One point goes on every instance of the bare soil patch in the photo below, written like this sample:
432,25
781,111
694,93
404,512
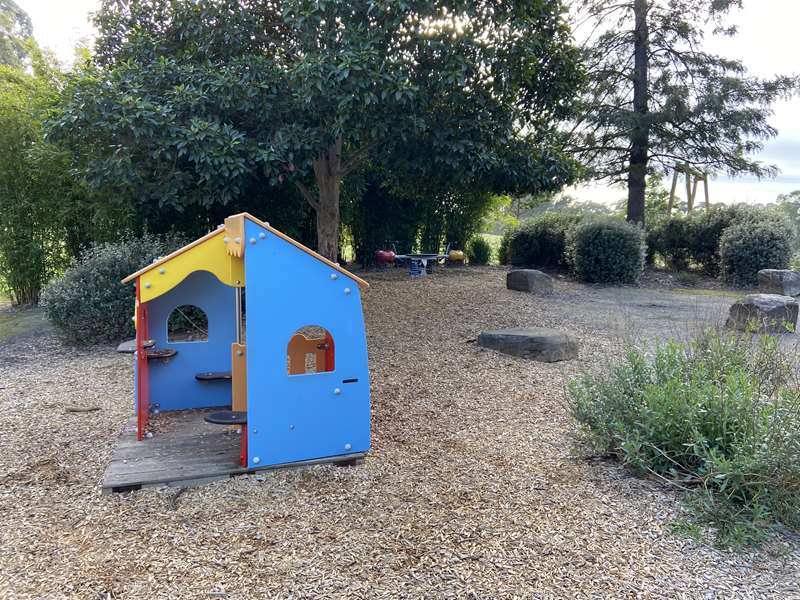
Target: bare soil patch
472,489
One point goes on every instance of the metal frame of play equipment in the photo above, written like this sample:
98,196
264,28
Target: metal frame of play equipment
293,369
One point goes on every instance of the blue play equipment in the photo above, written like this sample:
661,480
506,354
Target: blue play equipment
282,351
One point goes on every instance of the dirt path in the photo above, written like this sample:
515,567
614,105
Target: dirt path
472,488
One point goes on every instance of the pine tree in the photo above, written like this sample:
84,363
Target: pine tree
656,99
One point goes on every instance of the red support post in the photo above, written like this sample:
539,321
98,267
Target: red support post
142,372
243,457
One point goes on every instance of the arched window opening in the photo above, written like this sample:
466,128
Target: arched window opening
187,323
310,350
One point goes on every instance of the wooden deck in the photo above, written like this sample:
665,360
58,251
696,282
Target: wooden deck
184,451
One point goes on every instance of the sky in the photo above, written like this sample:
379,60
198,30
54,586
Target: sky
765,44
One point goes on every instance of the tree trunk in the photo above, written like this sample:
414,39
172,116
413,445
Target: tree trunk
328,217
328,177
640,134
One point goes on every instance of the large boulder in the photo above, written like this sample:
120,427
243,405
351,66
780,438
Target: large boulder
779,281
764,313
529,280
536,343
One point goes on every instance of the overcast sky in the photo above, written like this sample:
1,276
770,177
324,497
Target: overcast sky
765,44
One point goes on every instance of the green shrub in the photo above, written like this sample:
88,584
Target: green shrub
668,239
607,250
694,240
479,251
703,232
88,304
749,247
687,277
541,242
719,415
502,250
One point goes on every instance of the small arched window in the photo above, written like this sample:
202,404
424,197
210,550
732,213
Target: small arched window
310,350
187,323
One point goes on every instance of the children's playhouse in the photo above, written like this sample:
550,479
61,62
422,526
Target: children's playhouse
278,377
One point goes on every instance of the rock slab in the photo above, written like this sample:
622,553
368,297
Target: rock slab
529,280
764,313
779,281
535,343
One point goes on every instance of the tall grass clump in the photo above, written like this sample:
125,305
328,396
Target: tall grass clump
718,416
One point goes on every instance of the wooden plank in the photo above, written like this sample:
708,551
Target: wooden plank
192,452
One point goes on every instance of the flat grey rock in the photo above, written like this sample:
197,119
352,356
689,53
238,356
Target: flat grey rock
535,343
779,281
764,313
529,280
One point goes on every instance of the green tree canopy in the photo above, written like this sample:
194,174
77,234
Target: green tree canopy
190,101
16,30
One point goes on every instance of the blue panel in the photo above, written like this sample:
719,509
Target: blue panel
172,382
301,417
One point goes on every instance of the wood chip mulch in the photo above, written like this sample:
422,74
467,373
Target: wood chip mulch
473,489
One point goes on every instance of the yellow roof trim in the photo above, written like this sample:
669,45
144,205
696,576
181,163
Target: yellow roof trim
263,224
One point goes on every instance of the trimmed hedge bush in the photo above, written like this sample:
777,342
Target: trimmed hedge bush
682,242
479,251
668,239
607,251
541,242
747,248
88,304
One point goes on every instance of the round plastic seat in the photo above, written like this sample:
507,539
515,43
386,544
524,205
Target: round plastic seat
227,417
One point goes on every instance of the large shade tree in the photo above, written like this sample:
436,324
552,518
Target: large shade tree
656,98
186,101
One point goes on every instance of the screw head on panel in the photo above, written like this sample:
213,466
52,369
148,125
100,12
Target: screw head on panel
255,431
237,240
262,235
252,241
347,447
346,291
291,427
334,276
226,239
256,460
239,353
162,271
337,391
147,284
